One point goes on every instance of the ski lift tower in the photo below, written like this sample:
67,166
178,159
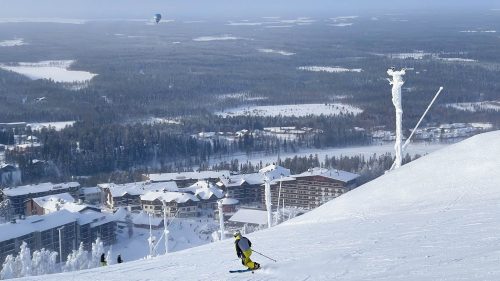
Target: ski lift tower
397,82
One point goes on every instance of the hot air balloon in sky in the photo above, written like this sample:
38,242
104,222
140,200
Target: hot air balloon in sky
157,18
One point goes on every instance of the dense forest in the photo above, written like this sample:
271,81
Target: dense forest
143,75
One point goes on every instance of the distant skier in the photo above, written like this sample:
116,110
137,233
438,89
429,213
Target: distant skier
103,260
119,259
244,251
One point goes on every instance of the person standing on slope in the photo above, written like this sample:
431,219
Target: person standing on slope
244,251
103,260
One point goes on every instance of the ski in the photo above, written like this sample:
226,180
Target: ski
240,271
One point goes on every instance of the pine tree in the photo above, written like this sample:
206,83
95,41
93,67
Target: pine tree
9,268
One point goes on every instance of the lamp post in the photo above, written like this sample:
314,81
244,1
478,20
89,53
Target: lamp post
60,243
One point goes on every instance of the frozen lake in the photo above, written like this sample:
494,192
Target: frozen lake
297,110
57,71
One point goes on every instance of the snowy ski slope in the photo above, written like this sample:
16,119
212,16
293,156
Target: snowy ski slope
436,218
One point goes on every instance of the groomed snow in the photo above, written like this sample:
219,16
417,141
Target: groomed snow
435,218
55,70
297,110
335,69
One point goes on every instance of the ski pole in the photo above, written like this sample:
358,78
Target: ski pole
265,256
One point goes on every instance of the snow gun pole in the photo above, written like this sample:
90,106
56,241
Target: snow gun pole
264,256
407,142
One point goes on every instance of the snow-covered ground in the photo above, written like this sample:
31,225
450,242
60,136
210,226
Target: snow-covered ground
457,60
12,43
55,70
300,20
244,23
243,96
42,20
366,151
435,218
329,69
297,110
476,106
478,31
344,24
273,51
55,125
183,234
344,18
216,38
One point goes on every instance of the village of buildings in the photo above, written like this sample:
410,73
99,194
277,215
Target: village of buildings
60,216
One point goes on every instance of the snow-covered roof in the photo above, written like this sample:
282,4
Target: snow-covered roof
202,175
90,190
35,223
250,216
230,201
237,180
94,218
334,174
204,190
37,188
138,188
274,171
179,197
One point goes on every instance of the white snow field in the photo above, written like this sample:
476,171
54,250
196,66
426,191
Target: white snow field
476,106
58,126
12,43
435,218
329,69
55,70
273,51
216,38
289,110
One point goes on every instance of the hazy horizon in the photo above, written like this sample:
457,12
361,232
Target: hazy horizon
95,9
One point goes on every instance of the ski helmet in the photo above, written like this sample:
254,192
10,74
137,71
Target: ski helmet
237,233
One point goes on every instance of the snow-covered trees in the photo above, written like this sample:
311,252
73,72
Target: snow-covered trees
9,268
45,261
23,260
97,251
42,262
77,260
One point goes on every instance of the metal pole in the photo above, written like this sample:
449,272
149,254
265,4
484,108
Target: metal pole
422,118
278,207
267,193
165,226
221,219
264,256
60,244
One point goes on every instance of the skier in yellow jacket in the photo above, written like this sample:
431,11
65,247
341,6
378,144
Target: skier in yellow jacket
244,250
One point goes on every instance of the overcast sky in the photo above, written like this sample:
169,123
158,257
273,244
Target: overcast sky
228,8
